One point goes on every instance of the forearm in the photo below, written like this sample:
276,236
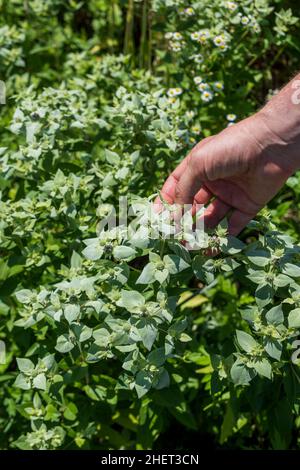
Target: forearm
280,125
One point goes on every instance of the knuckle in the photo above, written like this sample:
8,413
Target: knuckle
198,149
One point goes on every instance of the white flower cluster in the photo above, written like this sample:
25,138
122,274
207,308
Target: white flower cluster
201,36
206,89
221,41
176,41
173,94
249,21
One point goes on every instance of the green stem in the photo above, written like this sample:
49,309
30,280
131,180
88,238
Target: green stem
162,248
128,41
279,53
111,26
150,39
143,45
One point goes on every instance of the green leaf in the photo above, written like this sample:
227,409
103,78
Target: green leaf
175,264
123,252
24,296
246,341
294,318
273,348
147,275
161,275
40,382
282,280
23,382
291,270
157,357
76,260
71,312
203,271
85,334
82,332
258,277
228,423
148,333
264,295
142,383
71,412
181,251
32,128
163,380
275,316
263,367
25,365
48,361
93,251
63,344
132,300
184,338
101,336
112,157
171,144
241,374
260,258
231,245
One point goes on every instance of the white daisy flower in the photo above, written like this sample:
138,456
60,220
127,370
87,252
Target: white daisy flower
196,129
172,92
195,36
198,58
207,96
218,86
231,6
203,86
231,117
220,40
245,20
177,36
198,80
204,35
175,46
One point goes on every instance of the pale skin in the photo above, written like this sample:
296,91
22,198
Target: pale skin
238,171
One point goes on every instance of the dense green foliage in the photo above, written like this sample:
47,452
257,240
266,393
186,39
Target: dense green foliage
121,338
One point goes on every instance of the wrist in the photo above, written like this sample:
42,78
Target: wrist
278,126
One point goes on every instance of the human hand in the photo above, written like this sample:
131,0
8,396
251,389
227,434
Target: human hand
238,171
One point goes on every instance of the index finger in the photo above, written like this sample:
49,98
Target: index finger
168,189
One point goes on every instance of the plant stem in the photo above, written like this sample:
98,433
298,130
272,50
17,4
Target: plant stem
143,45
162,248
128,41
150,14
